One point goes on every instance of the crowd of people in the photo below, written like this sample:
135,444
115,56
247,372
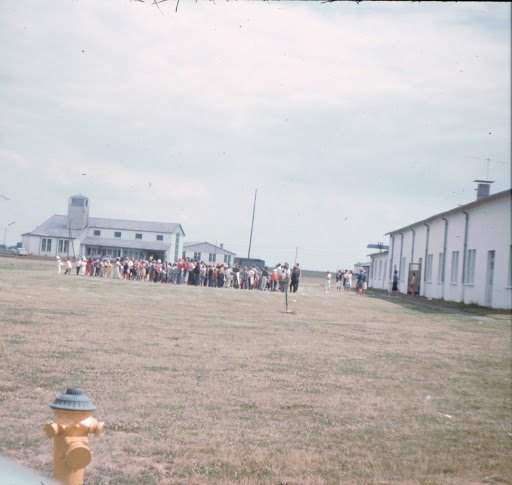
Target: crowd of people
343,280
188,272
221,275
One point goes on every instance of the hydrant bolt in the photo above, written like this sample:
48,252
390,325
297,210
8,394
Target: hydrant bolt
78,455
97,428
51,429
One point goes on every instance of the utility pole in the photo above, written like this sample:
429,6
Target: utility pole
5,232
70,240
296,252
252,223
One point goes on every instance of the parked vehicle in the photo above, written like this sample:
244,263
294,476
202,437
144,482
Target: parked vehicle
260,263
21,252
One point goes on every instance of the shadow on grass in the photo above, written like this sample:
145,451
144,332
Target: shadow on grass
423,305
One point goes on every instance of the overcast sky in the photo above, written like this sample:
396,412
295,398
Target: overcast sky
349,119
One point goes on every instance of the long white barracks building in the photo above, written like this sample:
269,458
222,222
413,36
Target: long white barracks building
76,234
462,255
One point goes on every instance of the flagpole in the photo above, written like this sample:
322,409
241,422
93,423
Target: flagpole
252,223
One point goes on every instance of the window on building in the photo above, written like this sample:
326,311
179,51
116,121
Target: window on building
138,236
117,234
97,232
88,252
159,237
177,248
455,268
428,267
469,271
63,245
440,268
197,256
227,258
402,270
212,257
46,244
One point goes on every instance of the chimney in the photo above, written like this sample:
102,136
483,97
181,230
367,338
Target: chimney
221,245
483,189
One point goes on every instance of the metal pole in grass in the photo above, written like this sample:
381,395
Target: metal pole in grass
287,310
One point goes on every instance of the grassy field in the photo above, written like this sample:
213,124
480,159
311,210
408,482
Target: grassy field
221,386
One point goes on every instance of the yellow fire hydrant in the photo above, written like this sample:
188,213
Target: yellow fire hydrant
72,423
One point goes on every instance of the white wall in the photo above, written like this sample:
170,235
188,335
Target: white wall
488,229
33,245
453,289
128,235
432,283
205,257
379,271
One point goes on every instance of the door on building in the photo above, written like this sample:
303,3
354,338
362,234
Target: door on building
413,281
489,280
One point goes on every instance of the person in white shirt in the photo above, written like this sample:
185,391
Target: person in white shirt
328,278
69,266
348,280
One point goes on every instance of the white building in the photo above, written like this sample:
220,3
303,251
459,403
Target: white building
378,276
461,255
207,252
76,234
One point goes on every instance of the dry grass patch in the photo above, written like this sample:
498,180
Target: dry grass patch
221,386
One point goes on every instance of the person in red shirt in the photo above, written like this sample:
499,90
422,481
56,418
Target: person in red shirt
180,271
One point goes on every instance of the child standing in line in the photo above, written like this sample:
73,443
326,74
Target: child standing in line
328,278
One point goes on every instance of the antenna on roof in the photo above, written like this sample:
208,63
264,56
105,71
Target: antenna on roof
489,161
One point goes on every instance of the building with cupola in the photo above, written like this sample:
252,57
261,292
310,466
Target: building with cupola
76,234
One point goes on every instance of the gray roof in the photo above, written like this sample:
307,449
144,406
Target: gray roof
56,226
381,253
461,208
125,243
205,247
163,227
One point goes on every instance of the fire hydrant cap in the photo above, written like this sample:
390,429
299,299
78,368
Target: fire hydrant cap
74,399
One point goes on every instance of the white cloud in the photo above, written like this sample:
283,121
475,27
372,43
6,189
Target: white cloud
370,110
